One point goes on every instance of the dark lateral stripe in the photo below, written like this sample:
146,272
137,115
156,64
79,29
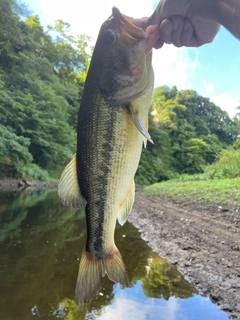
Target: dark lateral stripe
95,189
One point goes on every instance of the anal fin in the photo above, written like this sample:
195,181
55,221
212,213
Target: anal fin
68,189
126,206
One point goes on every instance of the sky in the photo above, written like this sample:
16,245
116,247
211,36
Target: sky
213,70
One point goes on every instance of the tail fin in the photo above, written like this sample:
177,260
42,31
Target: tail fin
89,281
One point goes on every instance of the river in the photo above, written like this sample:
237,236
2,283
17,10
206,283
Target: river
40,247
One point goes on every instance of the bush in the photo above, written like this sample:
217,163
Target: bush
228,164
36,173
29,171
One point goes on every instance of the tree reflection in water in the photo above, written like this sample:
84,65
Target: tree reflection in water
40,245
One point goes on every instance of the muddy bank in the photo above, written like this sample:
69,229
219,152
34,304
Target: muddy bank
15,185
202,243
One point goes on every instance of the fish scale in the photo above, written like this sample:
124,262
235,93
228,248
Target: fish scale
112,126
108,173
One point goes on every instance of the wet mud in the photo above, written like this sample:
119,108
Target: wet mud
202,242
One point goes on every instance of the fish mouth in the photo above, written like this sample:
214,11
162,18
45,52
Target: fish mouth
131,66
131,34
128,30
128,78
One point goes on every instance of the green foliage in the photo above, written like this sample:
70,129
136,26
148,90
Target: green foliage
192,132
163,280
206,117
210,191
228,163
41,83
236,144
13,146
188,152
214,147
14,153
36,173
155,159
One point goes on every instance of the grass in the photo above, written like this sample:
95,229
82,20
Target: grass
218,191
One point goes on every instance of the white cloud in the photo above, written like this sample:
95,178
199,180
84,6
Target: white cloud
208,86
131,309
227,103
87,16
174,66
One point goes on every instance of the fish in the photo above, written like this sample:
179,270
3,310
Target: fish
112,129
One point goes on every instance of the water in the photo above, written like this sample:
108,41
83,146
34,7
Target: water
40,247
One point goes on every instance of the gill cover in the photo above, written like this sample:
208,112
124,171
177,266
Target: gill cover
126,66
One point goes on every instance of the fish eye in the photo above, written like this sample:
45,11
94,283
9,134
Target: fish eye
109,37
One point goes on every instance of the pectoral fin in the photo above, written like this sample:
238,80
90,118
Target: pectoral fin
140,127
126,206
68,189
144,138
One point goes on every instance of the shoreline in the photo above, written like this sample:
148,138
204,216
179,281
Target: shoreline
18,185
202,245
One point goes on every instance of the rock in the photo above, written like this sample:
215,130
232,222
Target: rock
21,184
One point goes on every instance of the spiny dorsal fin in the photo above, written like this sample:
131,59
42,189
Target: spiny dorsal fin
126,206
68,189
140,127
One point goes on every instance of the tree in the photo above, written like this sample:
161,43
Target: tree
154,164
41,83
190,132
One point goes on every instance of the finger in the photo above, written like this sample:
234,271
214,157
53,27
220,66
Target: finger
165,31
196,34
152,38
158,44
205,30
140,23
188,37
152,35
178,23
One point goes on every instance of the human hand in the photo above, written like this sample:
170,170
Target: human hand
182,23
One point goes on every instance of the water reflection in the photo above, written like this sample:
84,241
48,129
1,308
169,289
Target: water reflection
40,246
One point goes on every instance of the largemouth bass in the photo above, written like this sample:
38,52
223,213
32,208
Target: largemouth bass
112,126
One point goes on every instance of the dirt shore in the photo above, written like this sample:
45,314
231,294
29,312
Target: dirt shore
203,244
15,185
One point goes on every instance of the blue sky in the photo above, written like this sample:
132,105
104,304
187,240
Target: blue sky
131,303
213,70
